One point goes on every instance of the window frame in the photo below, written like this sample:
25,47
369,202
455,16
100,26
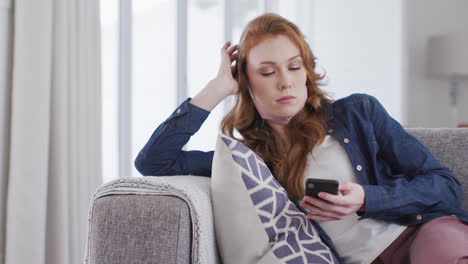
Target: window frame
124,61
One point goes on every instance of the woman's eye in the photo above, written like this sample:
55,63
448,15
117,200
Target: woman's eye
267,73
295,68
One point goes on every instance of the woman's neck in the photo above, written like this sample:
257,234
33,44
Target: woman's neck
282,130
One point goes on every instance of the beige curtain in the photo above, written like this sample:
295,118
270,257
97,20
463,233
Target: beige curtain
54,151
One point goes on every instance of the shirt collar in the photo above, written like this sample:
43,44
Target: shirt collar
328,110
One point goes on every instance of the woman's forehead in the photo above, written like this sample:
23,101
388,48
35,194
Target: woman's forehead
273,49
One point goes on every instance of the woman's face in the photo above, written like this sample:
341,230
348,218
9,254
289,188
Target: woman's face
277,78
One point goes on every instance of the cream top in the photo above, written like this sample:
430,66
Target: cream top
355,241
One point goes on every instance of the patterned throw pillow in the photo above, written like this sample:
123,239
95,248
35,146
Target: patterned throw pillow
255,222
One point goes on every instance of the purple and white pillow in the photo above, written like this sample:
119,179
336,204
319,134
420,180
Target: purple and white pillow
255,222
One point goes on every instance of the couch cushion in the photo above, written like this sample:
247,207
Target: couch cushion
450,147
255,222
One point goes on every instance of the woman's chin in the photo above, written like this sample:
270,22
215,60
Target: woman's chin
280,117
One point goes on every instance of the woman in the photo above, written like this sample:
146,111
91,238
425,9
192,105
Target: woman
404,199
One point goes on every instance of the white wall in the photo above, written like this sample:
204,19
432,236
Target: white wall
359,44
5,84
429,100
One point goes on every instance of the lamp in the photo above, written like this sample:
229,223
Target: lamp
447,58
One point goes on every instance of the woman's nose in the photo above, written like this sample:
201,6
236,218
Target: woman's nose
285,81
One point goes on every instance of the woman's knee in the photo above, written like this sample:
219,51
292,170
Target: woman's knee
443,240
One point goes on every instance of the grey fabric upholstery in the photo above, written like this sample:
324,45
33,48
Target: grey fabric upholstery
140,229
157,228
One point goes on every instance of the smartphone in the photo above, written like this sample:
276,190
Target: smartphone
314,186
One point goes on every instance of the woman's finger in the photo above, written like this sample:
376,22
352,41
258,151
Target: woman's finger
226,45
319,203
324,213
232,49
320,214
307,206
233,57
224,50
333,198
335,213
320,218
325,206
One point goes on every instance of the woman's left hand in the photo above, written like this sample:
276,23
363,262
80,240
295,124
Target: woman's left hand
336,207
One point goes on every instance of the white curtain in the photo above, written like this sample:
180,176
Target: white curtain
54,152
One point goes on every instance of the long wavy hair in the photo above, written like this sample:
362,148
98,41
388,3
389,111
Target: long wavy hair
305,130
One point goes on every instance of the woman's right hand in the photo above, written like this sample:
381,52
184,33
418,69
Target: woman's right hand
223,85
226,73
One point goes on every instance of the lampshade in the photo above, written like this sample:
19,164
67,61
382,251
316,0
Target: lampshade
447,56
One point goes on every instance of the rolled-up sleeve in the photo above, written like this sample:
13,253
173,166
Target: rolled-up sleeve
416,182
163,154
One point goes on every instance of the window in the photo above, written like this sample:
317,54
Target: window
244,11
109,45
154,70
153,88
203,62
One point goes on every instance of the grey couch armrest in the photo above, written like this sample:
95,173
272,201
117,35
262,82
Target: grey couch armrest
139,229
152,220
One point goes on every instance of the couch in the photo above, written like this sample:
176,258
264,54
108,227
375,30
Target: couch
169,219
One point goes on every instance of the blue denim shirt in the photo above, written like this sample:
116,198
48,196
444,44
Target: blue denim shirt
402,180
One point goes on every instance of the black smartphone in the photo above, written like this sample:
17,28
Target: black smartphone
314,186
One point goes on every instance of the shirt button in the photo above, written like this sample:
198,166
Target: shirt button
346,140
359,167
178,110
419,217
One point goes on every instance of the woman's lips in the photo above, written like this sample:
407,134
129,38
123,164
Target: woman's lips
285,99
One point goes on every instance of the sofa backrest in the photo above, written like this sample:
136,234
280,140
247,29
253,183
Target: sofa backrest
450,147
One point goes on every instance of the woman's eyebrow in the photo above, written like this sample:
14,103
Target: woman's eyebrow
272,62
